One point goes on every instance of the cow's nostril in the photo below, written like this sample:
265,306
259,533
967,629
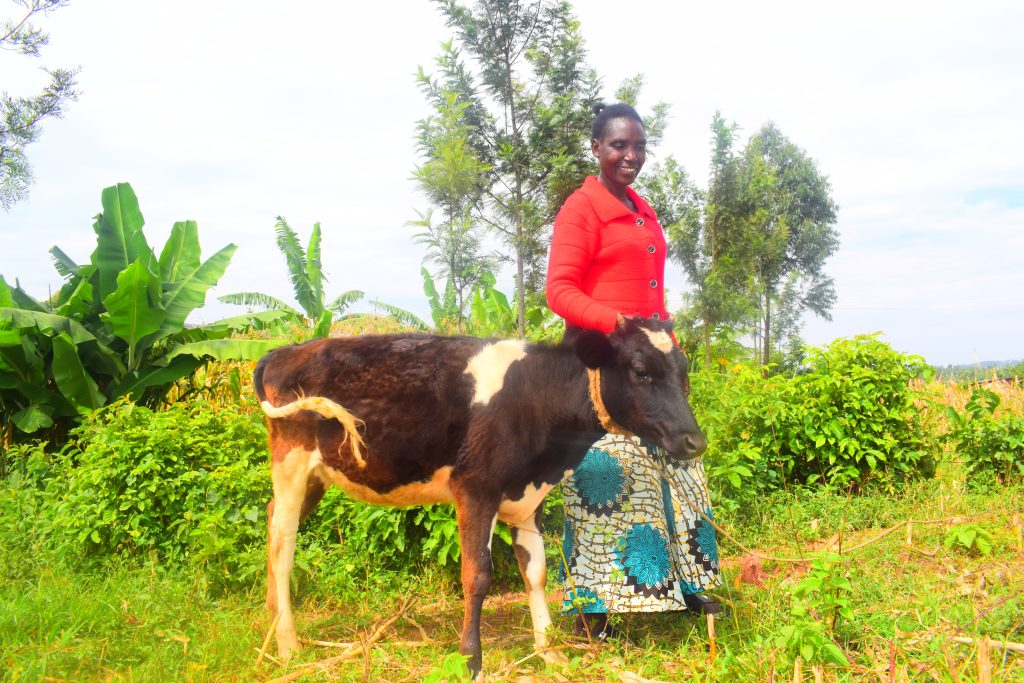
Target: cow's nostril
695,445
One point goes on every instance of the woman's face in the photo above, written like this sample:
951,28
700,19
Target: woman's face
621,152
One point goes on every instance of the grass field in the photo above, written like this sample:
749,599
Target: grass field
916,610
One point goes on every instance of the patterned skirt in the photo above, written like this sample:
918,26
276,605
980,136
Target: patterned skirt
632,540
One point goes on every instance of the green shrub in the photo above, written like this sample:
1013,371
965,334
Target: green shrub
187,484
989,446
847,421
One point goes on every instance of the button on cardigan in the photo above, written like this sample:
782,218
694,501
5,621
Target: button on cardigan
605,259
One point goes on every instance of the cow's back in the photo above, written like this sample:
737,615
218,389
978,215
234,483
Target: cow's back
411,393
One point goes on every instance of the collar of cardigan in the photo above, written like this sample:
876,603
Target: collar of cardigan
608,207
609,425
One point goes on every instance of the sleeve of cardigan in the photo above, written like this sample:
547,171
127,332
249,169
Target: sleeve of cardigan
574,243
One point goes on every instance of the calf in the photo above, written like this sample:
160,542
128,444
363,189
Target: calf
489,426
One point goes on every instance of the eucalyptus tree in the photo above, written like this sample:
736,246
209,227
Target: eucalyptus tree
307,277
21,118
519,68
707,237
453,179
790,230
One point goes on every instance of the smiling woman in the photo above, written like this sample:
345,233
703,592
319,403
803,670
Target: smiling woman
633,541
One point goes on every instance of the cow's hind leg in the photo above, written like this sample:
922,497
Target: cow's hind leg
314,494
528,544
291,476
477,516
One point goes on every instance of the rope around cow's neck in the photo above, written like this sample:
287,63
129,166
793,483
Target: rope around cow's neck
607,423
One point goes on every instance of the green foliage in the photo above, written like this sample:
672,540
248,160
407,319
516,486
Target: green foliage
971,538
187,484
518,76
848,421
307,276
117,326
989,446
452,669
21,118
819,600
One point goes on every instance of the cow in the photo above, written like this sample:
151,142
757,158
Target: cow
489,426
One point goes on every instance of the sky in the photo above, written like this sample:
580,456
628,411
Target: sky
233,113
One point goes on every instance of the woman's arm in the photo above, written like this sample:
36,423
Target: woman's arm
574,244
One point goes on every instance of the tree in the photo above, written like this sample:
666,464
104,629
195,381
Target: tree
706,233
791,218
453,179
307,277
527,95
21,118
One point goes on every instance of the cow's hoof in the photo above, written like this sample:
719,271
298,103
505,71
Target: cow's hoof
287,647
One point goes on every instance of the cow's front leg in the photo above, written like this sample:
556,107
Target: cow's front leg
477,517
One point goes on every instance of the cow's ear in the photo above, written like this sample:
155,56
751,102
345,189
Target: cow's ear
594,348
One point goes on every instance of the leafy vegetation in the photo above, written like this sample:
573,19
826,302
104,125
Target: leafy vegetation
991,446
848,421
21,118
306,273
117,326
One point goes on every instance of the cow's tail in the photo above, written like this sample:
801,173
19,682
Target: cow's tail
327,408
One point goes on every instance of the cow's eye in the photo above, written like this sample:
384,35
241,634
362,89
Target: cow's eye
641,375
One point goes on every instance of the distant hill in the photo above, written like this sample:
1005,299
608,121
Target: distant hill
982,370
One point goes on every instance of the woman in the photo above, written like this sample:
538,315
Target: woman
633,541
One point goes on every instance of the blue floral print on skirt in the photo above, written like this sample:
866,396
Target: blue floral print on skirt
632,542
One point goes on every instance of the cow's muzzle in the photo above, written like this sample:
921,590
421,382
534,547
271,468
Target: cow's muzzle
689,446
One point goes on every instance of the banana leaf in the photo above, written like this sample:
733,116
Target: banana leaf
47,323
227,349
190,291
315,274
181,253
295,257
136,382
259,321
259,300
119,238
133,309
63,263
33,418
71,377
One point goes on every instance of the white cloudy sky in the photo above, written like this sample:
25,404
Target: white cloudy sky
231,113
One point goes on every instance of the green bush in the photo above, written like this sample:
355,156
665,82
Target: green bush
847,421
185,484
989,446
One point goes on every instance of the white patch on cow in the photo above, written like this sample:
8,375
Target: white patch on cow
489,366
518,512
660,340
434,490
528,537
494,525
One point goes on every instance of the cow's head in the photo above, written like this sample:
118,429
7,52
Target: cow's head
644,383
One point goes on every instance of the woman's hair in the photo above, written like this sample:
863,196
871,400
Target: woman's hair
603,113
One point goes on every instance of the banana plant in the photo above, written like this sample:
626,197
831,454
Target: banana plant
117,325
307,276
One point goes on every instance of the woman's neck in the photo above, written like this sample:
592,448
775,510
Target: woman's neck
619,192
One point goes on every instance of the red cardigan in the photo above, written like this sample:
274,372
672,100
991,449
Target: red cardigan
605,259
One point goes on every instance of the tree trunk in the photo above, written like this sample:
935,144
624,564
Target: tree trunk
707,342
766,352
